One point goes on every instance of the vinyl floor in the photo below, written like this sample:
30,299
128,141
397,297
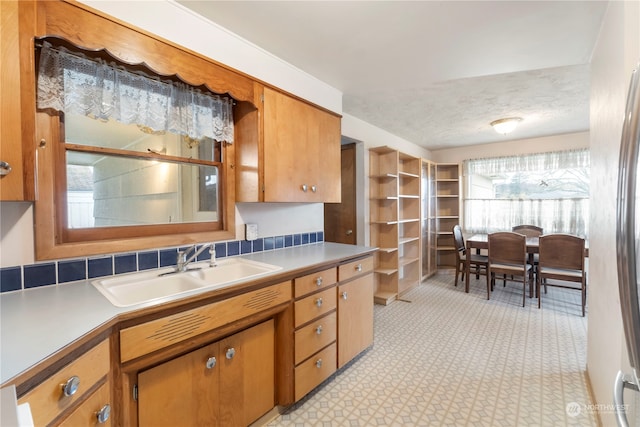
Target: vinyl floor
443,357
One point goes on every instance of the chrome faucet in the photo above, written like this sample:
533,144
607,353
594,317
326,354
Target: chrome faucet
182,261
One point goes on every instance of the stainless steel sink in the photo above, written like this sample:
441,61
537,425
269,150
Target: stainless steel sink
156,285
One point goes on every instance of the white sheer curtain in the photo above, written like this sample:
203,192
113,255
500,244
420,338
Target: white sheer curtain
72,83
554,215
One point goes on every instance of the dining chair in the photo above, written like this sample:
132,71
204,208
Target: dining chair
530,231
562,259
508,256
475,260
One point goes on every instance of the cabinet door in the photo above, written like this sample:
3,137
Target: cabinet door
191,390
181,392
17,102
247,375
355,318
301,151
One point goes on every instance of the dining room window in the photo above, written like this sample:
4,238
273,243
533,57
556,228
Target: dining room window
550,190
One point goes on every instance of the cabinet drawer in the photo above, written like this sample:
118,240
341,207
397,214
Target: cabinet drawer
313,282
315,370
355,268
314,306
316,335
87,414
47,400
139,340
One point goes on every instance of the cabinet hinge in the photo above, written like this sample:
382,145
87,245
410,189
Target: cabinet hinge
262,97
135,392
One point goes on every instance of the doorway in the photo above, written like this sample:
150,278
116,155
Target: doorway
340,219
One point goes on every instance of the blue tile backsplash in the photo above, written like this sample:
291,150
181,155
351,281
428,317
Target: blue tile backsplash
39,275
64,271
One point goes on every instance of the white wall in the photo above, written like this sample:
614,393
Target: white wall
616,54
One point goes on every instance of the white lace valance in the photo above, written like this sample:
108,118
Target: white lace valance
529,162
71,83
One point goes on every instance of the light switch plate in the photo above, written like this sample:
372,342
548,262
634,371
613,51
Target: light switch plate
251,231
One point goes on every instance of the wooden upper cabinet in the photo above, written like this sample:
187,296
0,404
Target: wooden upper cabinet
300,154
17,141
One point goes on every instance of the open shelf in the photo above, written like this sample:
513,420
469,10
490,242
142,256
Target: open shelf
447,212
395,198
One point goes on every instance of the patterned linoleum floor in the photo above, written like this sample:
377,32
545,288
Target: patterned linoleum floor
454,359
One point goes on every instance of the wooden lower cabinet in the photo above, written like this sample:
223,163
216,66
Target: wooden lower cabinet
355,309
227,383
355,314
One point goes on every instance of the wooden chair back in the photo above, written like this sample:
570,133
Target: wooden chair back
528,230
508,256
507,247
458,239
562,251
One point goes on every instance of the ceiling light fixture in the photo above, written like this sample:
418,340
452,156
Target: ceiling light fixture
504,126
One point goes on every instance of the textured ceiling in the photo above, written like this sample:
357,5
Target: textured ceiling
435,73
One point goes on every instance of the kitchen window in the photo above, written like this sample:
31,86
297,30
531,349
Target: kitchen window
550,190
134,155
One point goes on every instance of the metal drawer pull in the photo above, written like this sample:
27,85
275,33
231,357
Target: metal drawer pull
344,295
319,302
71,386
314,188
211,362
319,363
359,267
230,353
5,168
304,187
319,329
103,414
319,281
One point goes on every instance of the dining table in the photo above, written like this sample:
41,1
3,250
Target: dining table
478,242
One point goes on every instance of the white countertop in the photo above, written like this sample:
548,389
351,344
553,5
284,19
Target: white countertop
36,323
